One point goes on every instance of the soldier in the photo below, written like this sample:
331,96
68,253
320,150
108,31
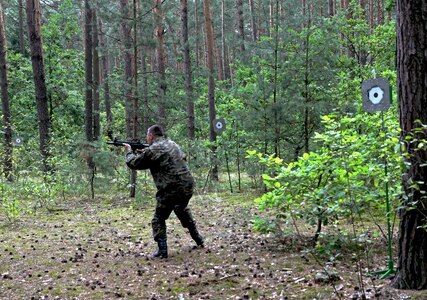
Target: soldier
174,182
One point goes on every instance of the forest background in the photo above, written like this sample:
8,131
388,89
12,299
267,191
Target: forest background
283,76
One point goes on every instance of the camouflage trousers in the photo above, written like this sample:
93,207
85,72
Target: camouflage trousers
176,201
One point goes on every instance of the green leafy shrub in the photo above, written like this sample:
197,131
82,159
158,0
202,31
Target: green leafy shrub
344,178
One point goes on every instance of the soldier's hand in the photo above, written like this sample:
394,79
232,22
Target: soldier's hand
127,147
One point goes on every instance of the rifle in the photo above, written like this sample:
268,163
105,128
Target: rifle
134,144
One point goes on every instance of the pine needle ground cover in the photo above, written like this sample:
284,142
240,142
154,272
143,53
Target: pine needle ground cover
100,249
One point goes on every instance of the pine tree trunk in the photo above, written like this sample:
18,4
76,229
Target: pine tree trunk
253,21
136,111
412,94
211,85
89,72
146,119
159,34
127,43
240,26
36,47
128,78
188,73
196,32
21,28
105,81
331,8
7,119
96,76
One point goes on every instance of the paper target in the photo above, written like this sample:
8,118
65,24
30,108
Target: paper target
219,125
376,95
18,141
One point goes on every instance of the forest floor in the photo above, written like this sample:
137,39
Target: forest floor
101,249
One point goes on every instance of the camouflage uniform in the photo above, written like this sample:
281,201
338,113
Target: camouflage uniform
173,180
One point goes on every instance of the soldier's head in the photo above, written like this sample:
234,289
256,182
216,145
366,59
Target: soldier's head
153,132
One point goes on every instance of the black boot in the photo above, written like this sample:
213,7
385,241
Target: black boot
163,249
195,235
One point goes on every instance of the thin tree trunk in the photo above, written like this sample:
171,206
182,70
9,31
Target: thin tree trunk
240,26
21,28
188,74
253,21
89,93
89,72
371,14
105,80
128,78
36,47
96,76
159,34
331,8
411,270
136,111
225,62
7,119
218,58
196,32
211,84
146,113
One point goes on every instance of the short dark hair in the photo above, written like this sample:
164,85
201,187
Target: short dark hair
156,130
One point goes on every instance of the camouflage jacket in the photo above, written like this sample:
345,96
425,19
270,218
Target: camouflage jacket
167,164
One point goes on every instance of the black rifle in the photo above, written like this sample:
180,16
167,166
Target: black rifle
134,144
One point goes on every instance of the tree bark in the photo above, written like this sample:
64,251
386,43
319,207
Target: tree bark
211,85
240,26
253,21
105,80
331,8
96,79
128,77
89,72
159,34
188,73
411,270
37,61
7,119
21,28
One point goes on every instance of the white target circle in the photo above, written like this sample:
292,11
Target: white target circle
219,125
375,95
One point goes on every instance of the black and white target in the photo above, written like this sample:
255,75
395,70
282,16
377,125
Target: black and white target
18,141
376,95
219,125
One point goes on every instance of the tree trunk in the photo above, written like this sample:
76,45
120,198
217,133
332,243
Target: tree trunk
129,103
211,84
96,76
36,49
159,34
146,119
105,81
240,26
89,73
188,74
196,32
331,8
136,113
412,93
127,43
7,119
21,28
253,21
225,63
